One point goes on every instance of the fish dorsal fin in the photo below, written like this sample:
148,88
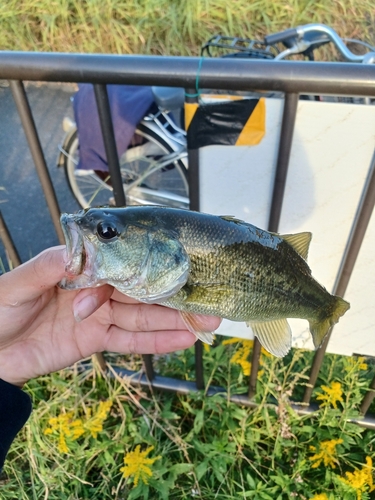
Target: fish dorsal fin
275,336
300,242
231,218
195,325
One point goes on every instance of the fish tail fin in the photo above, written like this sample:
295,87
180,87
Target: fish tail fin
329,316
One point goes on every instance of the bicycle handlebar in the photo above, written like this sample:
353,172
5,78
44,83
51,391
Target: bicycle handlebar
281,36
310,33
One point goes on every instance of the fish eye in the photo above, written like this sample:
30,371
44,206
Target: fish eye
106,231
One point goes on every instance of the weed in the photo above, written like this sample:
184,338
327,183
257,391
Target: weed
167,27
120,441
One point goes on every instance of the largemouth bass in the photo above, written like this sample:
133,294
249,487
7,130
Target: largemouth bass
201,264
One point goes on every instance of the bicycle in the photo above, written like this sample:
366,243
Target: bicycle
154,167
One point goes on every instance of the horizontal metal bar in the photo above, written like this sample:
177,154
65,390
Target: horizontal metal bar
287,76
185,387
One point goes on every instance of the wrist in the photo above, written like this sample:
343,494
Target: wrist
12,380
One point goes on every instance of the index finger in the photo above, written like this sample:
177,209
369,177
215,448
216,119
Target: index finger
143,317
124,299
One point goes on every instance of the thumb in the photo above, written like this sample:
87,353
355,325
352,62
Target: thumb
35,276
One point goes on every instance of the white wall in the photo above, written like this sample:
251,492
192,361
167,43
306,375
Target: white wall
332,150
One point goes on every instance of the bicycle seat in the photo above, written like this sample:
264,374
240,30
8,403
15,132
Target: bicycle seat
169,98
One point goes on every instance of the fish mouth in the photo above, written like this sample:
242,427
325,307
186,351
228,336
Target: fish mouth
75,247
80,255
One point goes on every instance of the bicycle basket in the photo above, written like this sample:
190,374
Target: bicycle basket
229,46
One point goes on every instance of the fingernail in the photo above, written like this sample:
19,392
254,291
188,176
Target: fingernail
85,308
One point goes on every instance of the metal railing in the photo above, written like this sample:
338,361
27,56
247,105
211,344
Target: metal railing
292,78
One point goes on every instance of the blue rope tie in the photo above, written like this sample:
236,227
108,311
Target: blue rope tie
196,80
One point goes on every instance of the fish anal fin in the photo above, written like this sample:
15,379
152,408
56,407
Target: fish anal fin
300,242
275,336
195,325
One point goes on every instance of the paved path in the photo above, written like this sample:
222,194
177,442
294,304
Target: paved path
22,201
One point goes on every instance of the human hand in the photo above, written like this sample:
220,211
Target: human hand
44,328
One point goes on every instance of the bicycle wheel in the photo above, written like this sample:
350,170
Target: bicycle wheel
152,173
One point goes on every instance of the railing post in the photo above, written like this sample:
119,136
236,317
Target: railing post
27,120
106,124
353,246
282,164
194,197
8,243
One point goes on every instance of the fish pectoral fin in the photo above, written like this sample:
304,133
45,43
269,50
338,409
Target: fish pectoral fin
300,242
195,325
198,293
275,336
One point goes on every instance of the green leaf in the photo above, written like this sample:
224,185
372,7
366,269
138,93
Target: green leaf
307,429
198,421
201,469
109,458
280,480
163,487
181,468
170,415
250,481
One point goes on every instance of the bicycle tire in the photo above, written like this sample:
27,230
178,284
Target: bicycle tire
159,186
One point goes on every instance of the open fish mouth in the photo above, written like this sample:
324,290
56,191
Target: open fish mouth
75,247
80,255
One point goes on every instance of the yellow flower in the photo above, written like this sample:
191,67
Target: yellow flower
360,480
234,340
356,363
65,427
326,454
321,496
137,465
331,395
242,354
95,424
206,347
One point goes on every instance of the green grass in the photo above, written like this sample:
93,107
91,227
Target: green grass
166,26
197,446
